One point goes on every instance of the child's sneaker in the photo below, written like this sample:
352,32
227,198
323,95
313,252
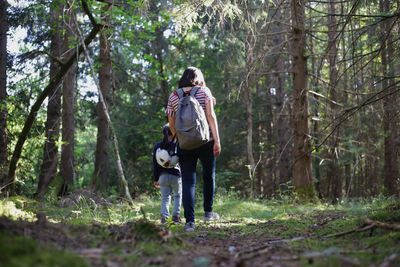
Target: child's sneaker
211,216
164,221
189,227
176,219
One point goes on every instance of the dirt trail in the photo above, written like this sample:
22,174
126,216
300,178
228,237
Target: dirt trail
115,244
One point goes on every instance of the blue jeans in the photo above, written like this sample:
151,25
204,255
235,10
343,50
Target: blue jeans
170,184
188,161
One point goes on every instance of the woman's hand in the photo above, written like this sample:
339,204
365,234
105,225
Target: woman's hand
156,185
217,149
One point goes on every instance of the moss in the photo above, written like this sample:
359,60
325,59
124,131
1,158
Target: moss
54,188
21,251
389,216
145,230
304,194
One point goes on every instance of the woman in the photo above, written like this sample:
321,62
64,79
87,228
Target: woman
207,153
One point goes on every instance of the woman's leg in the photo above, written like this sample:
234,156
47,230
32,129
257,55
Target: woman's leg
208,160
187,162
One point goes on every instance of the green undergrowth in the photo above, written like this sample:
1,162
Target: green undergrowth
18,251
134,236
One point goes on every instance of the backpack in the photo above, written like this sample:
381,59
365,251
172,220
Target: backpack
165,159
167,155
190,122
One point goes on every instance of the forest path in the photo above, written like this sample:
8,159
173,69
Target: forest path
143,243
278,235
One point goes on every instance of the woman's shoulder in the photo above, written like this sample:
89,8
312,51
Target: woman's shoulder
173,95
205,89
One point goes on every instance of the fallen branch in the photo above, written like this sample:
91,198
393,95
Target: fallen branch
356,230
368,224
269,243
388,261
382,224
254,254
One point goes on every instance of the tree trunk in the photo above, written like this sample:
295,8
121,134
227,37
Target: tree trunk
3,93
390,118
101,170
282,124
302,168
104,107
249,109
50,88
334,172
345,100
315,123
265,167
50,154
68,124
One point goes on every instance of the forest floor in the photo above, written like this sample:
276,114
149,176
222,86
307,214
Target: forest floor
85,230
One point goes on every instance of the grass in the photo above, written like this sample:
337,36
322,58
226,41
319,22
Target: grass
255,222
18,251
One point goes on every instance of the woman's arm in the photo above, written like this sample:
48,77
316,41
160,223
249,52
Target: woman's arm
212,122
171,121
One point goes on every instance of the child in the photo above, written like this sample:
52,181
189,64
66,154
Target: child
167,175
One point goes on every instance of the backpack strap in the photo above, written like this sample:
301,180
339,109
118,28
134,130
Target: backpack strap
180,93
194,89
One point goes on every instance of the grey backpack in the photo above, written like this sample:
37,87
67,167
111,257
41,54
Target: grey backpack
190,122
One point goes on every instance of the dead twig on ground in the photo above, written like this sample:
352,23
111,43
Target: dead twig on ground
387,262
269,244
382,224
266,247
356,230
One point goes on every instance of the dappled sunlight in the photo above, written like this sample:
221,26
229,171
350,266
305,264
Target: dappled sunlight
262,210
9,209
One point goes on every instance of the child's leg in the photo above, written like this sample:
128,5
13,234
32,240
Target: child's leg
177,190
165,195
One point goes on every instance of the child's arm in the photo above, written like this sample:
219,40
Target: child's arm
155,169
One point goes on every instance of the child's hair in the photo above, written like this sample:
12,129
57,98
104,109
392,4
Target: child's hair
166,132
166,144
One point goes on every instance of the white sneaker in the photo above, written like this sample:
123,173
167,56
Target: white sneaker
211,216
189,227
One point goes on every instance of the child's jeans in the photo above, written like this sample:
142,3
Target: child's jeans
170,184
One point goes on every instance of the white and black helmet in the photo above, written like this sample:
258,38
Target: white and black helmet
165,159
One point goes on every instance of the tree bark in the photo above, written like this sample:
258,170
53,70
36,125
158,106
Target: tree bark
282,122
333,172
50,88
101,170
390,118
302,168
159,49
48,169
345,99
3,94
67,172
249,109
104,107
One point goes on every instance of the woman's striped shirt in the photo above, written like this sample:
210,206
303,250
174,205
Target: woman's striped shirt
203,95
